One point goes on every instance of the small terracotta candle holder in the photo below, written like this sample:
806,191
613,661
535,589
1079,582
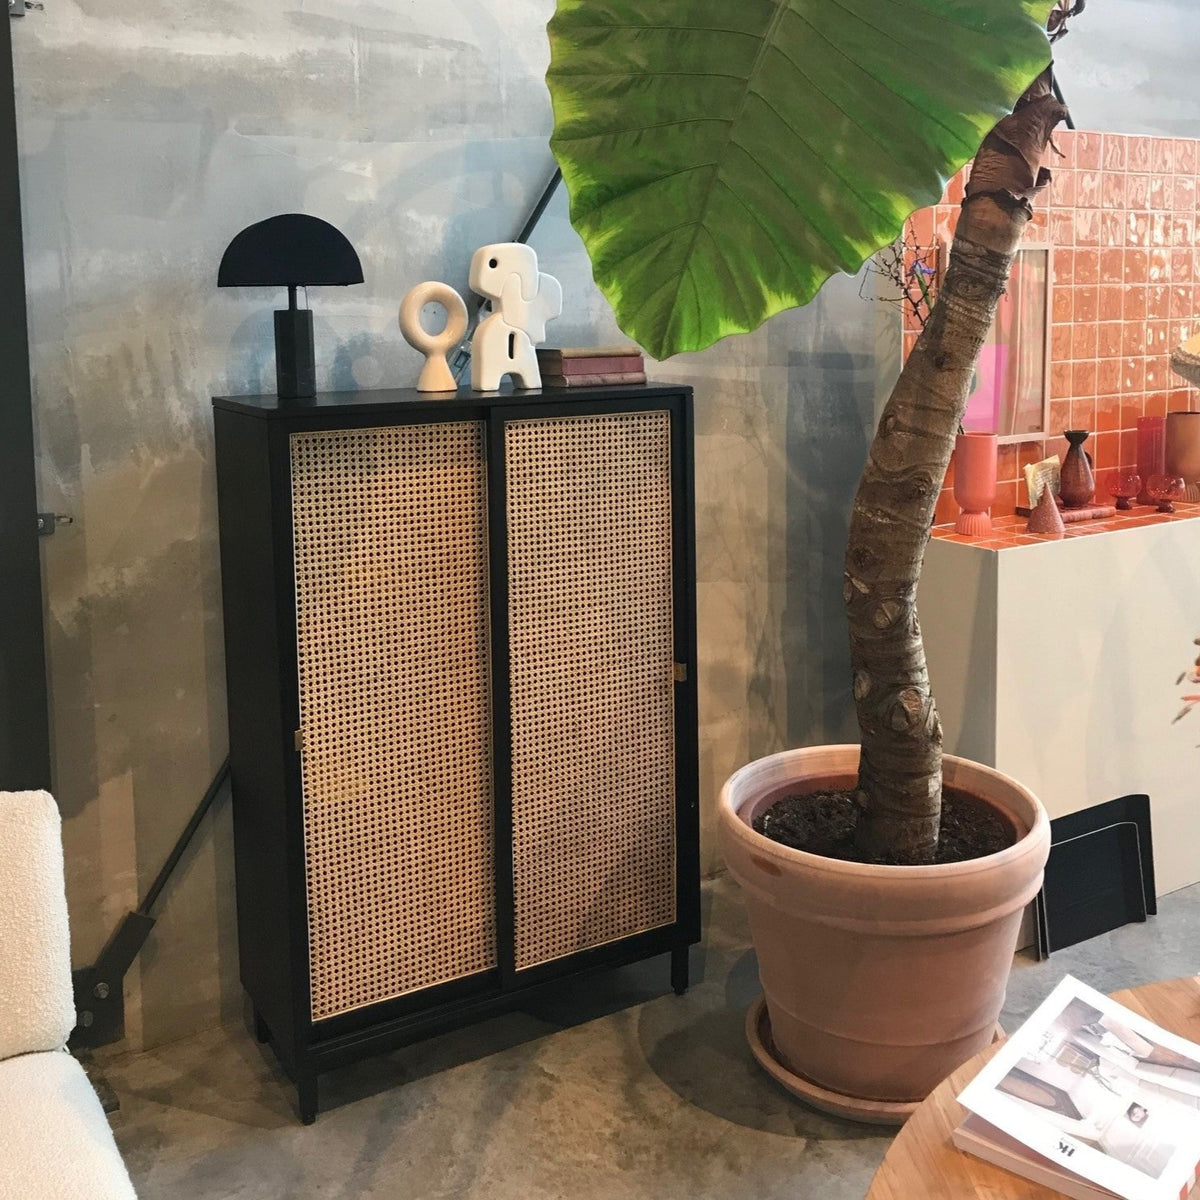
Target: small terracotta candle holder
1163,489
1123,486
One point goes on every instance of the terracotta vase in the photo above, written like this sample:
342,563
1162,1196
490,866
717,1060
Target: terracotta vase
975,482
1151,452
1077,484
879,980
1182,452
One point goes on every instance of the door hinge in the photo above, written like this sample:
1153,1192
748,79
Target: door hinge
47,523
679,672
299,741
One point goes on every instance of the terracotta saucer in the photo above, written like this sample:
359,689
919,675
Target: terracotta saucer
871,1112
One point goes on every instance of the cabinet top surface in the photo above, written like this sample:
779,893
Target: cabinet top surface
384,399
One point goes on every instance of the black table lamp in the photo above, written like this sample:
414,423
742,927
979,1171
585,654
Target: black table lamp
291,250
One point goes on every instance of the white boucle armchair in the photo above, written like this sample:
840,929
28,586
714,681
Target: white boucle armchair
55,1143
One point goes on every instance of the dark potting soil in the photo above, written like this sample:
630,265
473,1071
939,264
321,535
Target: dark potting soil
823,823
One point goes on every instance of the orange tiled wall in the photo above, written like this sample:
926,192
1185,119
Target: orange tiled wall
1121,215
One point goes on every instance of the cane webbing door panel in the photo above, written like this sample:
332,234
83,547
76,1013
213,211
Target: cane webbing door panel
590,626
391,577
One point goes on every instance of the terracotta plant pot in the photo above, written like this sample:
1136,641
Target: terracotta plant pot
879,980
975,457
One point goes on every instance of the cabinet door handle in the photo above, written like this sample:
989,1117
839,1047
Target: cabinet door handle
299,741
679,672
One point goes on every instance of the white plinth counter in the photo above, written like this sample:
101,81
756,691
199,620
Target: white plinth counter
1056,662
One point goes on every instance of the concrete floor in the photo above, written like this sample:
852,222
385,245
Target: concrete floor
611,1090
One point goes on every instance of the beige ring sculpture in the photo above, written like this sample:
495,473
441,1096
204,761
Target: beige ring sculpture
436,375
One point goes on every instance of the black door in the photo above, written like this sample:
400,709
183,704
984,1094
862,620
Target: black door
24,726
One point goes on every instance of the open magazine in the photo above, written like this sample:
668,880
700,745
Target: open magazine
1101,1094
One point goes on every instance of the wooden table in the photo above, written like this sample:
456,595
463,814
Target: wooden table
923,1163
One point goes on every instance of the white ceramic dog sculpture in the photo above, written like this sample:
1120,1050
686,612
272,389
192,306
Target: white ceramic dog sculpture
523,300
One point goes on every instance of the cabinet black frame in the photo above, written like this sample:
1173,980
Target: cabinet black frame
254,496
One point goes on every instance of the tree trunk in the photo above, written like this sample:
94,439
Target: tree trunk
900,776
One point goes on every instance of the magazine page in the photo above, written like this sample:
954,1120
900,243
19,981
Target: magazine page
1100,1090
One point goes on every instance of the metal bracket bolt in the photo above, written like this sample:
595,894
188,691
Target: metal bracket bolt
48,522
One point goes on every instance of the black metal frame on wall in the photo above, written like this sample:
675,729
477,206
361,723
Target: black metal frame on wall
260,605
24,720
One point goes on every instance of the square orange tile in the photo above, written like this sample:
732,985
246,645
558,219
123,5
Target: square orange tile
1108,378
1158,334
1140,153
1162,160
1062,227
1087,266
1087,304
1112,190
1112,228
1137,266
1060,419
1107,450
1108,413
1060,380
1185,156
1113,151
1084,340
1062,305
1137,191
1112,301
1062,188
1112,265
1133,339
1108,335
1063,267
1134,305
1027,453
1131,409
1133,374
1083,412
1087,227
1087,189
1087,149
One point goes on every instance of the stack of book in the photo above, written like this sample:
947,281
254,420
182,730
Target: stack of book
591,366
1091,1100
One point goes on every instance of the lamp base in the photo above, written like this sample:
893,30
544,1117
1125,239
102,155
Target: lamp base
295,367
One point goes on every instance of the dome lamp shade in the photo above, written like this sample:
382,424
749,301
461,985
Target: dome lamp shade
291,250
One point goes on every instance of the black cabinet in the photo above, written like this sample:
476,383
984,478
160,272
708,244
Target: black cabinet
460,654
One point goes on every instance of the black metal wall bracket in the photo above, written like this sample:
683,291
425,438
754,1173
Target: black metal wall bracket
100,988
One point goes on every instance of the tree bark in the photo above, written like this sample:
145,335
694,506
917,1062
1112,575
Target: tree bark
900,775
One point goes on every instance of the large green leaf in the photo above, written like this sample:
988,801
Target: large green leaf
725,157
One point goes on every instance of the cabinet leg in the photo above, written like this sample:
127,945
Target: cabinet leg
679,969
261,1032
308,1097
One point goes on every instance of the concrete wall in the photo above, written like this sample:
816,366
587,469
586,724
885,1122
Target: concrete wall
152,131
1129,66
